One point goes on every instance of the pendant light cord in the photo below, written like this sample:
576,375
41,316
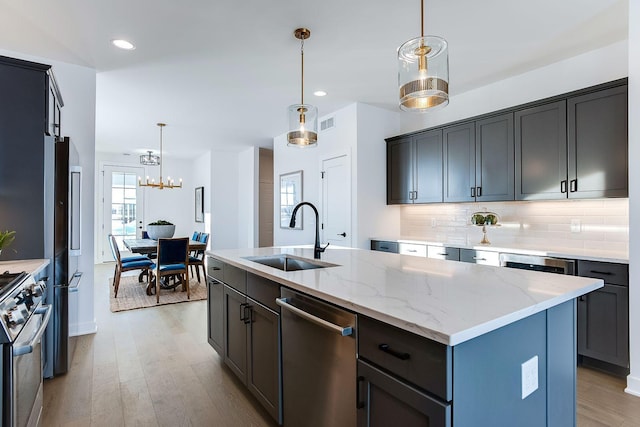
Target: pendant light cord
302,68
161,162
422,17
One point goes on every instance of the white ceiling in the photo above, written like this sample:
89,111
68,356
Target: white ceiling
222,73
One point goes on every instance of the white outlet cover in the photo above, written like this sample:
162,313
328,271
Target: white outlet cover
529,376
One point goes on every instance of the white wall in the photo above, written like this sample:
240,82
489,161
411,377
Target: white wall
224,200
78,88
633,380
248,162
201,175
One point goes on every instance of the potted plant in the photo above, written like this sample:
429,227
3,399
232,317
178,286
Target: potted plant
6,237
160,229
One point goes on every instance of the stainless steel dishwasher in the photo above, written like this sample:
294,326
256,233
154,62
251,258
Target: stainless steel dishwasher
318,362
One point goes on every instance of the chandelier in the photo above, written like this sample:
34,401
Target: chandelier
149,159
170,183
303,118
423,72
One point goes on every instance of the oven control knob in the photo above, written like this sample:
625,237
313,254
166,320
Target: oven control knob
37,289
15,316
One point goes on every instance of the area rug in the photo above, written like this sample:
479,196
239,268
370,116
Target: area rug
132,294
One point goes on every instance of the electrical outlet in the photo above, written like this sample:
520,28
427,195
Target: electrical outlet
529,376
576,226
433,222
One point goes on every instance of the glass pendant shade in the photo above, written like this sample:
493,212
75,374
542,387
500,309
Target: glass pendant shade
423,74
303,125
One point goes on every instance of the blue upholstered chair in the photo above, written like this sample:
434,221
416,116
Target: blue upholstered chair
173,260
197,259
136,262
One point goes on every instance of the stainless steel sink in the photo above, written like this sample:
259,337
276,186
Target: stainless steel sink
289,262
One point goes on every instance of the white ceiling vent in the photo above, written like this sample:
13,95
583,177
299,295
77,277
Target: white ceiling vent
327,124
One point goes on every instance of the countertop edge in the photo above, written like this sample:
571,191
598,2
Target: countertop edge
31,266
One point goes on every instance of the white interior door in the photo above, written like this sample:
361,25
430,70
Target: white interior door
123,206
336,201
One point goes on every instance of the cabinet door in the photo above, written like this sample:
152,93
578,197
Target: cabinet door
399,171
541,152
603,325
264,370
459,163
215,315
427,164
598,144
495,159
380,245
235,332
386,401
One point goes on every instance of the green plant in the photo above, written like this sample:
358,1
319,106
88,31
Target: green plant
161,222
6,237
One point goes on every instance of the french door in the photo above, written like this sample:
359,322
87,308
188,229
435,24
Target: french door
122,206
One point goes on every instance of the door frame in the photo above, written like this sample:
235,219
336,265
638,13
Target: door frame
349,190
100,254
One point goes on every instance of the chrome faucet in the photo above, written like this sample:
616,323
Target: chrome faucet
317,249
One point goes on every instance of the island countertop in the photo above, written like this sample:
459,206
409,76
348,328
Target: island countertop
31,266
447,301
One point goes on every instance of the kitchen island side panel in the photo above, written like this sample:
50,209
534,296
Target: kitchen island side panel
487,387
561,364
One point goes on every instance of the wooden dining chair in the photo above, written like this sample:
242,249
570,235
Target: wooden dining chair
173,260
135,262
197,260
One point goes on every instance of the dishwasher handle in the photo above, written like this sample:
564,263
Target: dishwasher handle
342,330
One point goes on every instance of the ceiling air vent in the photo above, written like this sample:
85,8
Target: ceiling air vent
327,124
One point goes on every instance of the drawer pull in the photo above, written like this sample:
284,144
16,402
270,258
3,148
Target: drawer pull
412,250
389,350
444,254
479,259
606,273
384,247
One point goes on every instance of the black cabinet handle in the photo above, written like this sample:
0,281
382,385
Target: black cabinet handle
475,258
581,298
243,312
573,185
389,350
415,195
473,191
479,191
248,318
605,273
384,247
444,254
563,186
359,404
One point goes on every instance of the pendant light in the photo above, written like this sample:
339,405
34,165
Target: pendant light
423,72
160,184
303,118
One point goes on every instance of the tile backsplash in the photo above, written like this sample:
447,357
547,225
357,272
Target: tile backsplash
598,223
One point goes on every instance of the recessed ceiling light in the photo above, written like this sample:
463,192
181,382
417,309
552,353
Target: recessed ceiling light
123,44
320,93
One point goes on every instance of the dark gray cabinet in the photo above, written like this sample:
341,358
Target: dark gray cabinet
603,316
215,305
597,144
541,152
443,252
235,328
414,168
479,160
384,246
480,257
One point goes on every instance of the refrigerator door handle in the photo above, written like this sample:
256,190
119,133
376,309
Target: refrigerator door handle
73,284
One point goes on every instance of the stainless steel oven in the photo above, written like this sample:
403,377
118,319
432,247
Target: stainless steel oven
539,263
23,320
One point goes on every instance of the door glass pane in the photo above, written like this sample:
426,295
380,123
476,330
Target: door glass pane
123,206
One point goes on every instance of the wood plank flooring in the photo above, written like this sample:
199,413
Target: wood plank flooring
154,367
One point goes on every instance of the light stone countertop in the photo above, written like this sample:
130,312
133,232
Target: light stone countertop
595,254
31,266
446,301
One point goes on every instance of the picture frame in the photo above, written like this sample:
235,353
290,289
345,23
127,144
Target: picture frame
290,196
199,199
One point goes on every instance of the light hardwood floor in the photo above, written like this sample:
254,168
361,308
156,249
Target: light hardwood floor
154,367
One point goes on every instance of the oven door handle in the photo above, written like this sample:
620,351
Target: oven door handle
28,348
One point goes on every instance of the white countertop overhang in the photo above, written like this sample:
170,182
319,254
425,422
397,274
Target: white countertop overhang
447,301
31,266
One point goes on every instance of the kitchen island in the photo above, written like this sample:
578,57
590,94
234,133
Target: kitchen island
504,339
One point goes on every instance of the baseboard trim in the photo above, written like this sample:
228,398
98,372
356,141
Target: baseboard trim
85,328
633,386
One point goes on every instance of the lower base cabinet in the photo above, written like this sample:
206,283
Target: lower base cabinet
386,401
215,314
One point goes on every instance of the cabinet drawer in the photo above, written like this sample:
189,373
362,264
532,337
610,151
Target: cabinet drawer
235,277
480,257
442,252
264,291
413,249
415,359
615,274
214,268
377,245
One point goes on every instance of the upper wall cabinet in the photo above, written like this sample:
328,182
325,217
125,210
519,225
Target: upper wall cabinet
541,152
597,144
414,168
478,160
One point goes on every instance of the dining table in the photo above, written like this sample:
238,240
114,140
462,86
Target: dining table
150,246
